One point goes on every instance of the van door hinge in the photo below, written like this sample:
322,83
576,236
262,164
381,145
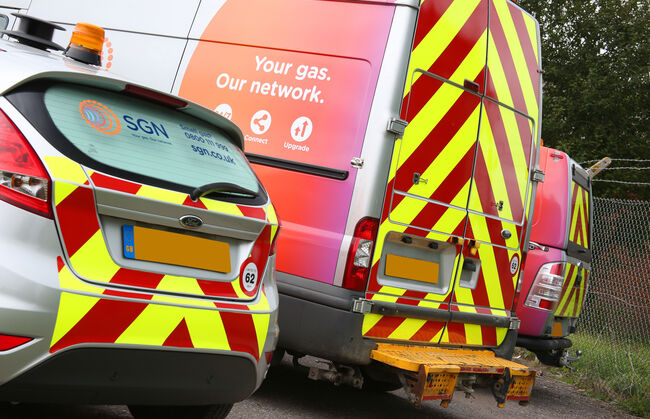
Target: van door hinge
538,175
362,306
397,126
514,323
357,162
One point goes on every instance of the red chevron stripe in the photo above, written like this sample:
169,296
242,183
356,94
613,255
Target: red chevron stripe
109,182
439,138
411,297
384,327
240,330
567,280
253,212
240,307
430,13
428,331
505,158
194,204
104,323
489,336
373,286
125,294
527,46
446,192
59,263
577,234
574,308
507,61
484,190
136,278
77,219
514,84
180,337
434,143
447,64
217,288
565,306
456,333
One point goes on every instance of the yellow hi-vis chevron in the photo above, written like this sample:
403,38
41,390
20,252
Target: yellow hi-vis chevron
91,314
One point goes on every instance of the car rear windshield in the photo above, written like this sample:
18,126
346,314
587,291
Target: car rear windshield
147,139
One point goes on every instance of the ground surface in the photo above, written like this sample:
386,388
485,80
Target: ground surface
287,393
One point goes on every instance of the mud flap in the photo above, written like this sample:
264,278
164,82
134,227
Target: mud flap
434,373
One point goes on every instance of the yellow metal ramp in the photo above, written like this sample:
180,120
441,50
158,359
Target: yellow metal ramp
434,373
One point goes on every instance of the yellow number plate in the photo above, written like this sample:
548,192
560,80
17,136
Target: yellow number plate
175,249
414,269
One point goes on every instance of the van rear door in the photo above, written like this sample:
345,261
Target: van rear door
466,145
501,188
425,212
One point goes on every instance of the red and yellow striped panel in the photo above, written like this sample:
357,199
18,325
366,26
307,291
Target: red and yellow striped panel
90,258
91,314
580,229
462,166
573,292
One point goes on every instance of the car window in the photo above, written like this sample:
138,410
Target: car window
4,21
133,135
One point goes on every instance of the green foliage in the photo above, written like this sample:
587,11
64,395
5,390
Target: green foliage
613,369
596,103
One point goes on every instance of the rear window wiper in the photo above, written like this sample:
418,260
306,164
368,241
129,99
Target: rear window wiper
221,188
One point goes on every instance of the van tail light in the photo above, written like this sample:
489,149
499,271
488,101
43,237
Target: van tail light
359,263
24,182
547,288
8,342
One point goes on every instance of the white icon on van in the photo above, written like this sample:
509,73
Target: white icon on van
224,110
301,129
261,122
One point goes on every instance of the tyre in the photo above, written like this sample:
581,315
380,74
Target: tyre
554,357
216,411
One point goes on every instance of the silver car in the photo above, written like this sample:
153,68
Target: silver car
137,262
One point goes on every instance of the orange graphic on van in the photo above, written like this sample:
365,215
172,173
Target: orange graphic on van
107,54
100,117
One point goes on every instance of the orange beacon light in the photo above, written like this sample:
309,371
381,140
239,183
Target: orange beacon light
86,44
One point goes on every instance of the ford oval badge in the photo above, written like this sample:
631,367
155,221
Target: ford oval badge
191,221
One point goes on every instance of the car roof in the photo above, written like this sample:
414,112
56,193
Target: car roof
20,64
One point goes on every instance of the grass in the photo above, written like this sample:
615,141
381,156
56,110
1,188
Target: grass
612,370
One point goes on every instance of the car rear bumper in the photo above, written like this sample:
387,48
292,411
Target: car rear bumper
80,331
135,376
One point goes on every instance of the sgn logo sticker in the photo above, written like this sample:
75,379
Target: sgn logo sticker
100,117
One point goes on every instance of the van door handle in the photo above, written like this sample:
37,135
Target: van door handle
417,179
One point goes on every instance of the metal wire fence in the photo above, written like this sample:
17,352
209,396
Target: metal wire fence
614,327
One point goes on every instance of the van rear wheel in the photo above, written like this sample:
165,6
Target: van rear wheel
215,411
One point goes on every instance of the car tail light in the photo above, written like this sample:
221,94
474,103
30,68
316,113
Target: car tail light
357,267
24,182
274,242
8,342
547,287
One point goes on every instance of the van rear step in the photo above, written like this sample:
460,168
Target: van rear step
434,373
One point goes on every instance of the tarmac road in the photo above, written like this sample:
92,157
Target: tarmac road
287,393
